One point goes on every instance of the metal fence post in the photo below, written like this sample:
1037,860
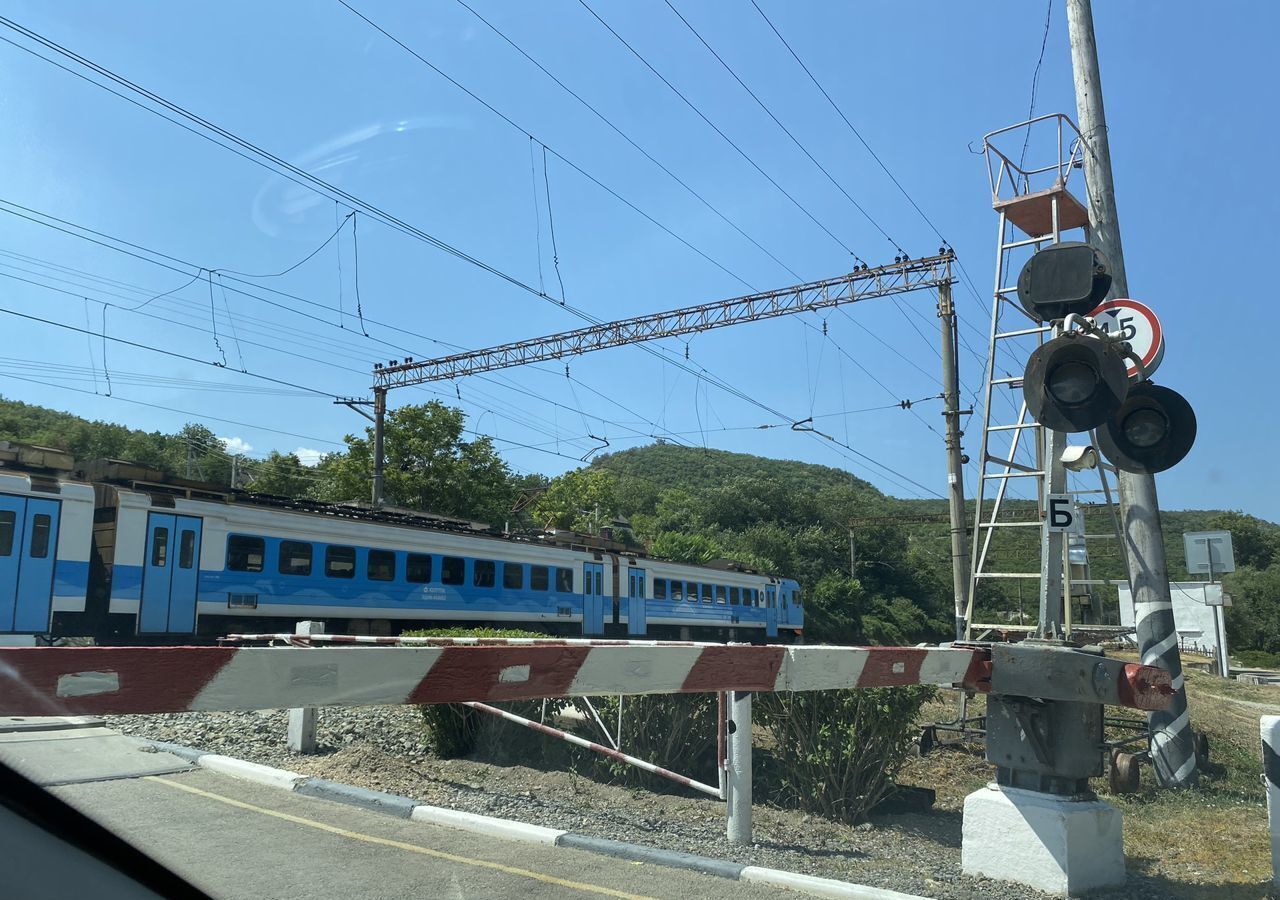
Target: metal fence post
738,795
302,721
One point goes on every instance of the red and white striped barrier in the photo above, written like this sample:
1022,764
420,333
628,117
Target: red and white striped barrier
117,680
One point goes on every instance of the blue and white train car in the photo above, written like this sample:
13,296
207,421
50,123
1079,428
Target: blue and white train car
46,523
181,563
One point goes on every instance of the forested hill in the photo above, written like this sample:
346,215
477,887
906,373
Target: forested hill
687,503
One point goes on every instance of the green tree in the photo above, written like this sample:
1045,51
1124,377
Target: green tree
581,500
282,474
687,548
429,466
1256,543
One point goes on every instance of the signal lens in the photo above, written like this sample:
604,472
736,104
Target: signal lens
1145,427
1073,382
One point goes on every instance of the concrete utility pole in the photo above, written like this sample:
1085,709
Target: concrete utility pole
960,566
1172,742
379,419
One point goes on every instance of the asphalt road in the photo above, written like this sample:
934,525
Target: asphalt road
236,839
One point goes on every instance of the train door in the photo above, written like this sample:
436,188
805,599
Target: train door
169,574
28,552
771,611
636,602
593,598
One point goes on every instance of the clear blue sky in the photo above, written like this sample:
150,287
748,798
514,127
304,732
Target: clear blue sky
1187,92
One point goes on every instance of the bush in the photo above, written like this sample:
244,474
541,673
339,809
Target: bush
454,730
836,752
675,731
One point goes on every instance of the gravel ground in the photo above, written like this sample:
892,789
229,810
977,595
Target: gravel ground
381,748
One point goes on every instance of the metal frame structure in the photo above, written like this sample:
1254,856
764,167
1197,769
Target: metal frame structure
899,277
1034,200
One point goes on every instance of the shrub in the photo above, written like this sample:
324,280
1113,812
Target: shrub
675,731
454,730
836,752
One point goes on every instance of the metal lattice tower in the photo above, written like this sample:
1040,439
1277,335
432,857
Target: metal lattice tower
1036,208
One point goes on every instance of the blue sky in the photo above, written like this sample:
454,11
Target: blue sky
1186,95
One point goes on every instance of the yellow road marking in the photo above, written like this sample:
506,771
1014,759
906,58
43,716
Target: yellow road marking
401,845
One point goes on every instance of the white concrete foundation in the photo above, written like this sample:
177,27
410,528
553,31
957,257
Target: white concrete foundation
1059,846
301,736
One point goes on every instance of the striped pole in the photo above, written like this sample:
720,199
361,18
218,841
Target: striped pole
1271,774
1173,753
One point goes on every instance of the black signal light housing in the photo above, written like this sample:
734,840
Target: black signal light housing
1151,431
1063,278
1074,382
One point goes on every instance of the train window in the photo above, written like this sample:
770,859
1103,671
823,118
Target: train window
512,576
539,580
452,569
564,581
418,568
245,554
706,593
381,565
159,545
795,598
720,593
691,592
733,596
187,549
677,590
483,575
41,528
295,558
7,519
659,589
340,562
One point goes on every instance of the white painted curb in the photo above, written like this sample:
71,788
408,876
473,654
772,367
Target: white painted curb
487,825
250,771
820,887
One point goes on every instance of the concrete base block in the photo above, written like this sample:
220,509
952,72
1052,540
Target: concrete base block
1059,846
301,736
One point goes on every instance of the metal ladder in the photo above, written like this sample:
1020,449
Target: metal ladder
1035,208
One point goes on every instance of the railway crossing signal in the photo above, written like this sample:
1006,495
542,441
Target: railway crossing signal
1080,380
1063,278
1152,430
1074,382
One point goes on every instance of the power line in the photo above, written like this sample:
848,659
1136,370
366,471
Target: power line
785,130
630,140
577,168
800,206
1035,82
264,158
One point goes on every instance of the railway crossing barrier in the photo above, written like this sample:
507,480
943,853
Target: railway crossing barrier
1045,699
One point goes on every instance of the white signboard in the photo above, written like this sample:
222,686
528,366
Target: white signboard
1137,324
1061,513
1209,547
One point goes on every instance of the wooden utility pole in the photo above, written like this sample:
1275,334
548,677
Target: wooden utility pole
960,565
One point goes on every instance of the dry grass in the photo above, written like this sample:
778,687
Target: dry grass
1207,841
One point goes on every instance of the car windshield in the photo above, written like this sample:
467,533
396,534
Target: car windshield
469,448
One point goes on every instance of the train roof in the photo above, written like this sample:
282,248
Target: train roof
127,475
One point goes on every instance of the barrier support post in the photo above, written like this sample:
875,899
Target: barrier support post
1271,778
738,792
302,721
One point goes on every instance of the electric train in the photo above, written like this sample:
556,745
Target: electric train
119,552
